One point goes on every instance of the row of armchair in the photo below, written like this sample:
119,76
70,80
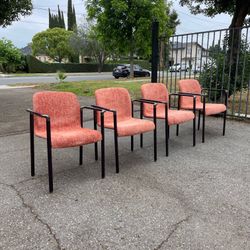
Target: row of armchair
58,118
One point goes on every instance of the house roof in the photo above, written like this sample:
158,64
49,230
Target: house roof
179,45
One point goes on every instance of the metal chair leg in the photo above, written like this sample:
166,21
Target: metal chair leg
80,155
224,122
116,151
167,137
177,129
203,128
102,146
49,151
199,119
96,151
32,145
132,143
194,131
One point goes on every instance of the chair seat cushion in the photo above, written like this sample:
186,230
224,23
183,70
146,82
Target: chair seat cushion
174,116
71,137
131,126
211,108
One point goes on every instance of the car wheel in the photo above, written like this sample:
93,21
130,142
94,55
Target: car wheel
148,74
116,77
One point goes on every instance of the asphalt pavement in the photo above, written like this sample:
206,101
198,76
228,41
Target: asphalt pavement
197,198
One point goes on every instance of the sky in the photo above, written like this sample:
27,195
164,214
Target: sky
21,32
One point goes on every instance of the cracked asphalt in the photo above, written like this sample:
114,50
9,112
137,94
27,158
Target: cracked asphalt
197,198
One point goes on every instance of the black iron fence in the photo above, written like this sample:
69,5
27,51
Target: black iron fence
219,59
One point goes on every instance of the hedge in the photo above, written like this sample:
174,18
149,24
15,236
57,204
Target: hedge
36,66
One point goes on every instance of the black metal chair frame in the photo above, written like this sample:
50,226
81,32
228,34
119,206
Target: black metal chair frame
167,106
202,111
49,145
132,137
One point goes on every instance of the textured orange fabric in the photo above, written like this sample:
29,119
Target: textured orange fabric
159,92
119,99
64,111
193,86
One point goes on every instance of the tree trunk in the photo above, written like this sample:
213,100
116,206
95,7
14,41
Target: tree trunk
234,39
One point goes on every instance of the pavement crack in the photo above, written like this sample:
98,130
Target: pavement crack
174,228
36,216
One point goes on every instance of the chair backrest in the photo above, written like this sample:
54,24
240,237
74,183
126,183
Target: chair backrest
62,107
189,86
153,91
114,98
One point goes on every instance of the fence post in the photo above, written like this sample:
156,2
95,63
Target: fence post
155,50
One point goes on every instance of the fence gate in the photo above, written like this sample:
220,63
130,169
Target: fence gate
219,59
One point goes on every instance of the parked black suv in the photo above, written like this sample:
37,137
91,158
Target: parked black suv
123,70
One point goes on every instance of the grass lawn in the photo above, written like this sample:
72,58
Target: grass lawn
236,103
88,88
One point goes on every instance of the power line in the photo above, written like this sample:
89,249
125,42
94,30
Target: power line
22,21
54,10
199,18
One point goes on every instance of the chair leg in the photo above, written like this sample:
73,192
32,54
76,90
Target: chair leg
103,153
96,151
32,145
224,122
177,130
167,137
116,151
194,131
155,144
50,167
199,119
203,128
80,155
141,140
132,143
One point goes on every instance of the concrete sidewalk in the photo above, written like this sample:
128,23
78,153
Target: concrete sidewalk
197,198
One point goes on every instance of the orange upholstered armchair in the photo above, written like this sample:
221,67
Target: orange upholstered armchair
57,117
193,86
119,117
157,92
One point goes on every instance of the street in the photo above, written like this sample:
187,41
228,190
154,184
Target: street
7,80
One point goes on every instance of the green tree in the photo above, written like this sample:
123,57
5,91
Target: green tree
53,43
238,9
12,10
10,56
126,24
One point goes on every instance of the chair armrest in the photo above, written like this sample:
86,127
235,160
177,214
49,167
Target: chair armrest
150,101
193,94
48,125
103,110
38,114
223,91
95,109
187,95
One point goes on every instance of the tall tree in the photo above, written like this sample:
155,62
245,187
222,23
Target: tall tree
11,11
70,16
56,20
126,24
53,43
74,18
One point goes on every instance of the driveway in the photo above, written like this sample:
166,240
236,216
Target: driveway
197,198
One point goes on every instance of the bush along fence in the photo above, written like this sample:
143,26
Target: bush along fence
36,66
219,59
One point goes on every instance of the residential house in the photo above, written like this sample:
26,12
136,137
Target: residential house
191,53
